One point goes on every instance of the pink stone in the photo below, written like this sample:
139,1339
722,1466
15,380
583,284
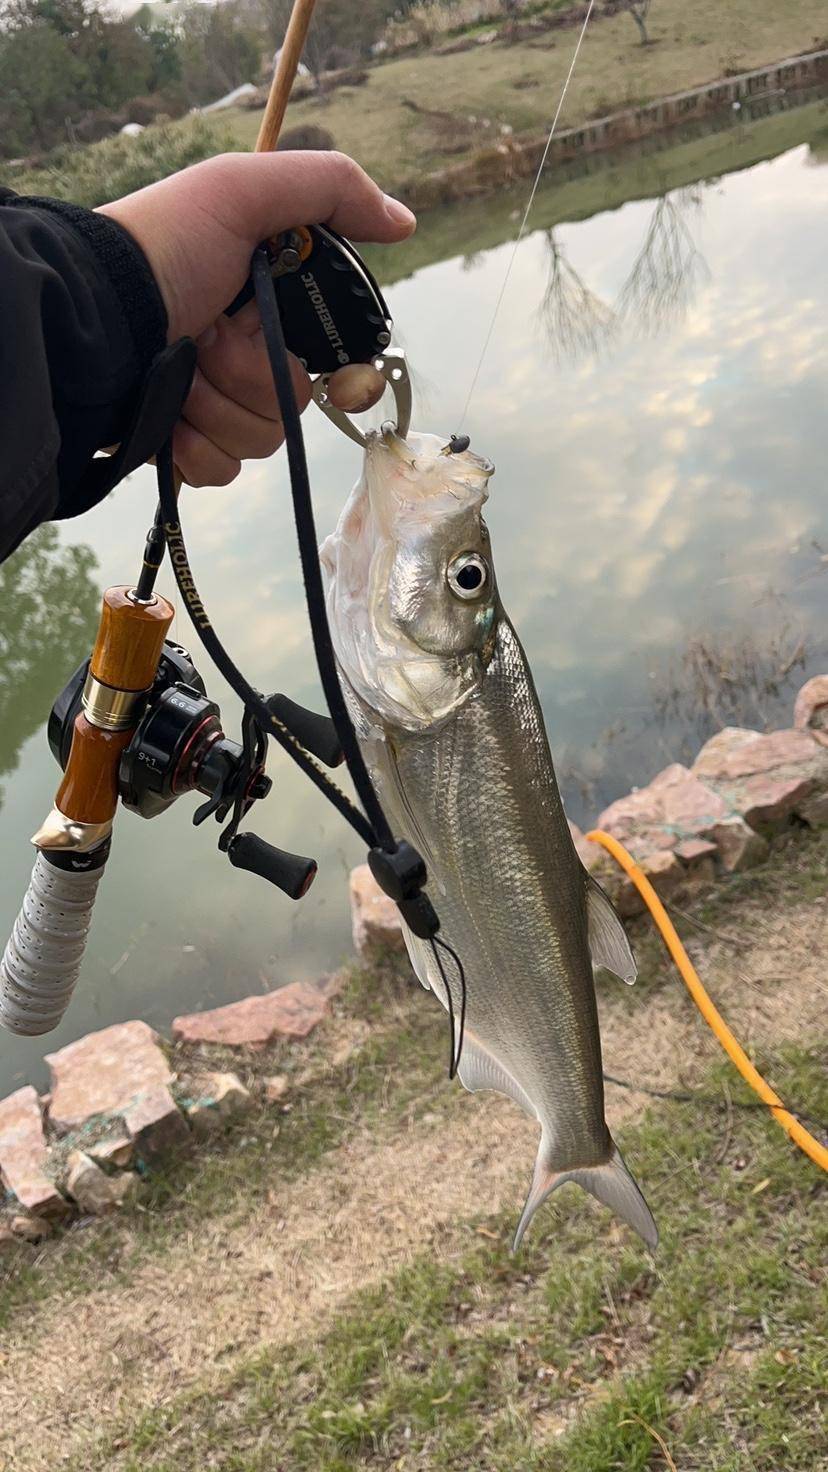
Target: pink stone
692,850
720,748
675,805
24,1154
375,919
811,708
685,801
768,801
291,1012
590,854
664,873
747,758
738,845
154,1122
103,1073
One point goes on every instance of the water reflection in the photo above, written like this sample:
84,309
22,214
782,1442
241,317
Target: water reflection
669,267
577,321
49,599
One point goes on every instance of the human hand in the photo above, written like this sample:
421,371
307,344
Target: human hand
198,230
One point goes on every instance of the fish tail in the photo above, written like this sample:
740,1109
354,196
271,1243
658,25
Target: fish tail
610,1183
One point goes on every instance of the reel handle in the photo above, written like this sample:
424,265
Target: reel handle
291,873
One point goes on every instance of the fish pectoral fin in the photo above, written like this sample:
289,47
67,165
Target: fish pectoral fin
610,1183
608,942
479,1069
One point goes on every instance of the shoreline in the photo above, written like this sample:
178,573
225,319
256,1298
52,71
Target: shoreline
716,106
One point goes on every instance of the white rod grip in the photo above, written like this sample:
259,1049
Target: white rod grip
44,954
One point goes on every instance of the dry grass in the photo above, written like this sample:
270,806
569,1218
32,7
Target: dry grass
519,85
413,1175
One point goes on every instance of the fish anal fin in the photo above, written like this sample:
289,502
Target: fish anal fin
479,1069
610,1183
608,942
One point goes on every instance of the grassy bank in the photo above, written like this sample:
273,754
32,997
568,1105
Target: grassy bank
574,1356
331,1288
462,100
519,85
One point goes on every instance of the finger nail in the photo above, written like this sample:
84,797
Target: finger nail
208,337
399,212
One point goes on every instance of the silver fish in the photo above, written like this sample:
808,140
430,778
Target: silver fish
452,731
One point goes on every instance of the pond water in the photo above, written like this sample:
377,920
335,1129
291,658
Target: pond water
654,401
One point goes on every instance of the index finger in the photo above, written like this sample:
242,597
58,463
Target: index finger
264,193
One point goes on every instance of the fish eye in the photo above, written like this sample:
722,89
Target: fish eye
468,575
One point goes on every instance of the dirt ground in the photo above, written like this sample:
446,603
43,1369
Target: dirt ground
75,1362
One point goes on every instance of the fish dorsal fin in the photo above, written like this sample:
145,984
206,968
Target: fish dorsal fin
608,942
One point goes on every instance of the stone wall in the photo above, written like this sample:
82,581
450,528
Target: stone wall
723,103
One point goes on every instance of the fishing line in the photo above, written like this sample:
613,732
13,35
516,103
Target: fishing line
526,212
456,1048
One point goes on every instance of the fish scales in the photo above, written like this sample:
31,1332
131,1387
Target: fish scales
452,730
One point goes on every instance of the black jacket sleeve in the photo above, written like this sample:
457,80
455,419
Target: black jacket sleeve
81,321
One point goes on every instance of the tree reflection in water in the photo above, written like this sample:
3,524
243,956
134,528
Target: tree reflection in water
49,600
578,323
668,269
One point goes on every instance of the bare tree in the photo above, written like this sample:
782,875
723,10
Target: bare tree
639,10
668,268
577,321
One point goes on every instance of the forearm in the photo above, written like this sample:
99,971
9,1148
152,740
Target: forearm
81,320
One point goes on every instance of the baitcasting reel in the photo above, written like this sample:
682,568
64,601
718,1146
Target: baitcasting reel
179,746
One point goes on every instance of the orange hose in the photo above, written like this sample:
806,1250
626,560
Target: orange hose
800,1136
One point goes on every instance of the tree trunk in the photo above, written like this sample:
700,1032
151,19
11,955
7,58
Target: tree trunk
640,22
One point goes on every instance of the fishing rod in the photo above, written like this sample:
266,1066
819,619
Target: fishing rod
134,725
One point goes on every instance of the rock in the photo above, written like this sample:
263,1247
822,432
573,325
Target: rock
692,850
155,1124
721,748
811,709
104,1073
375,919
590,854
221,1097
117,1150
766,778
768,802
291,1012
24,1154
31,1228
687,805
276,1087
676,805
95,1192
735,753
739,846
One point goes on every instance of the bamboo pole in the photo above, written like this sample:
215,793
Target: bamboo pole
288,65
